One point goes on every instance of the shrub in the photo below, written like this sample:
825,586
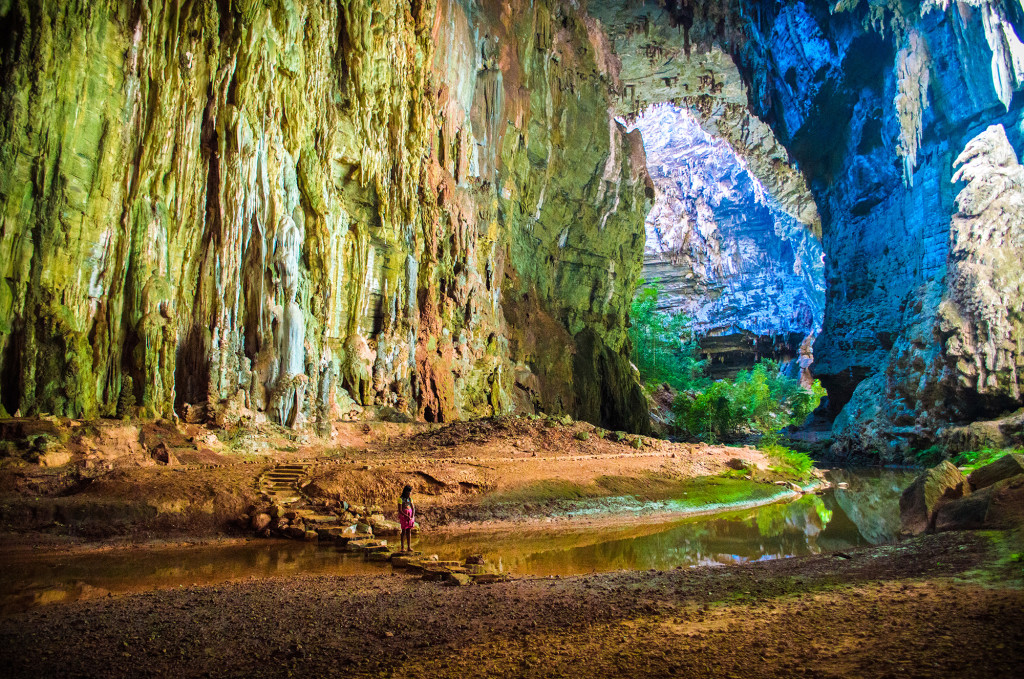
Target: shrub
760,400
788,461
972,459
929,457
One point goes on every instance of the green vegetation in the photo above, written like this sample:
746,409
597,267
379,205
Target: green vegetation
664,348
972,459
759,400
787,461
968,460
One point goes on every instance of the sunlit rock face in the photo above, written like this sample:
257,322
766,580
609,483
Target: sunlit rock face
303,210
749,275
685,53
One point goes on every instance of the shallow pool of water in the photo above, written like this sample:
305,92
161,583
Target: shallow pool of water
865,512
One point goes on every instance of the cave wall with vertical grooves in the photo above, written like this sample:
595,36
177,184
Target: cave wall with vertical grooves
298,211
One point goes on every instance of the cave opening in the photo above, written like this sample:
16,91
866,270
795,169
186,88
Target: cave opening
723,251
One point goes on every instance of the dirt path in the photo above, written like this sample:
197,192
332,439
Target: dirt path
941,606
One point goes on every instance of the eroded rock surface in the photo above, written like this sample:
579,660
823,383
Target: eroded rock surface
299,210
725,253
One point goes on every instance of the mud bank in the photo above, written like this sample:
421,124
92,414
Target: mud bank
181,482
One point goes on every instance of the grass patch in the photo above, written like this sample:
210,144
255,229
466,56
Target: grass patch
787,461
548,490
710,492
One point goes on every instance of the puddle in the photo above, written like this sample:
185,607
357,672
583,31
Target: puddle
864,513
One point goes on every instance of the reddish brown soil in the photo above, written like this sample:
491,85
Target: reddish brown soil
113,488
939,606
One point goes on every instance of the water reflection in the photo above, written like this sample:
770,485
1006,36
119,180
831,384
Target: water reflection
865,512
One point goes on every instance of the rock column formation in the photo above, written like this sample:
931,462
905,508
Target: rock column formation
297,210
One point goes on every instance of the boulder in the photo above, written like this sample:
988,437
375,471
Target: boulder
739,464
296,532
474,559
311,536
1000,505
1003,468
435,574
1006,508
965,513
163,455
921,499
54,457
260,521
458,579
381,526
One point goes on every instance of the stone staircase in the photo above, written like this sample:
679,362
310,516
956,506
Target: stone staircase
281,483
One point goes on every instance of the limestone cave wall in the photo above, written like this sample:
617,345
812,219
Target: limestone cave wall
298,210
902,119
880,103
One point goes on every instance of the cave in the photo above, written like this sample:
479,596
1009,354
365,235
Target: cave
725,253
271,268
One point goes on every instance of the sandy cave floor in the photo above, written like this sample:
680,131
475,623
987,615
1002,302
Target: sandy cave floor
948,605
939,606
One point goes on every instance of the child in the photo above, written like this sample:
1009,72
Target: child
406,517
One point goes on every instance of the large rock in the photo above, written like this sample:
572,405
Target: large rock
260,521
921,499
965,513
1000,505
1003,468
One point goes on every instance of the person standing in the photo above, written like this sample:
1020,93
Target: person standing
406,518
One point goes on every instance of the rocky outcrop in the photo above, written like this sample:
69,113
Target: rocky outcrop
911,254
941,499
874,102
957,358
301,210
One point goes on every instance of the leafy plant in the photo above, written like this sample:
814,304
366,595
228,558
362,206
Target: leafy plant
664,348
930,456
972,459
788,461
761,400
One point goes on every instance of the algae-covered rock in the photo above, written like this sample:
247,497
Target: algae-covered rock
1005,467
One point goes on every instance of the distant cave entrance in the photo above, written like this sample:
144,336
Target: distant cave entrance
725,252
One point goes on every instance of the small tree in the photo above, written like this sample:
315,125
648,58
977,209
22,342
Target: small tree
664,349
